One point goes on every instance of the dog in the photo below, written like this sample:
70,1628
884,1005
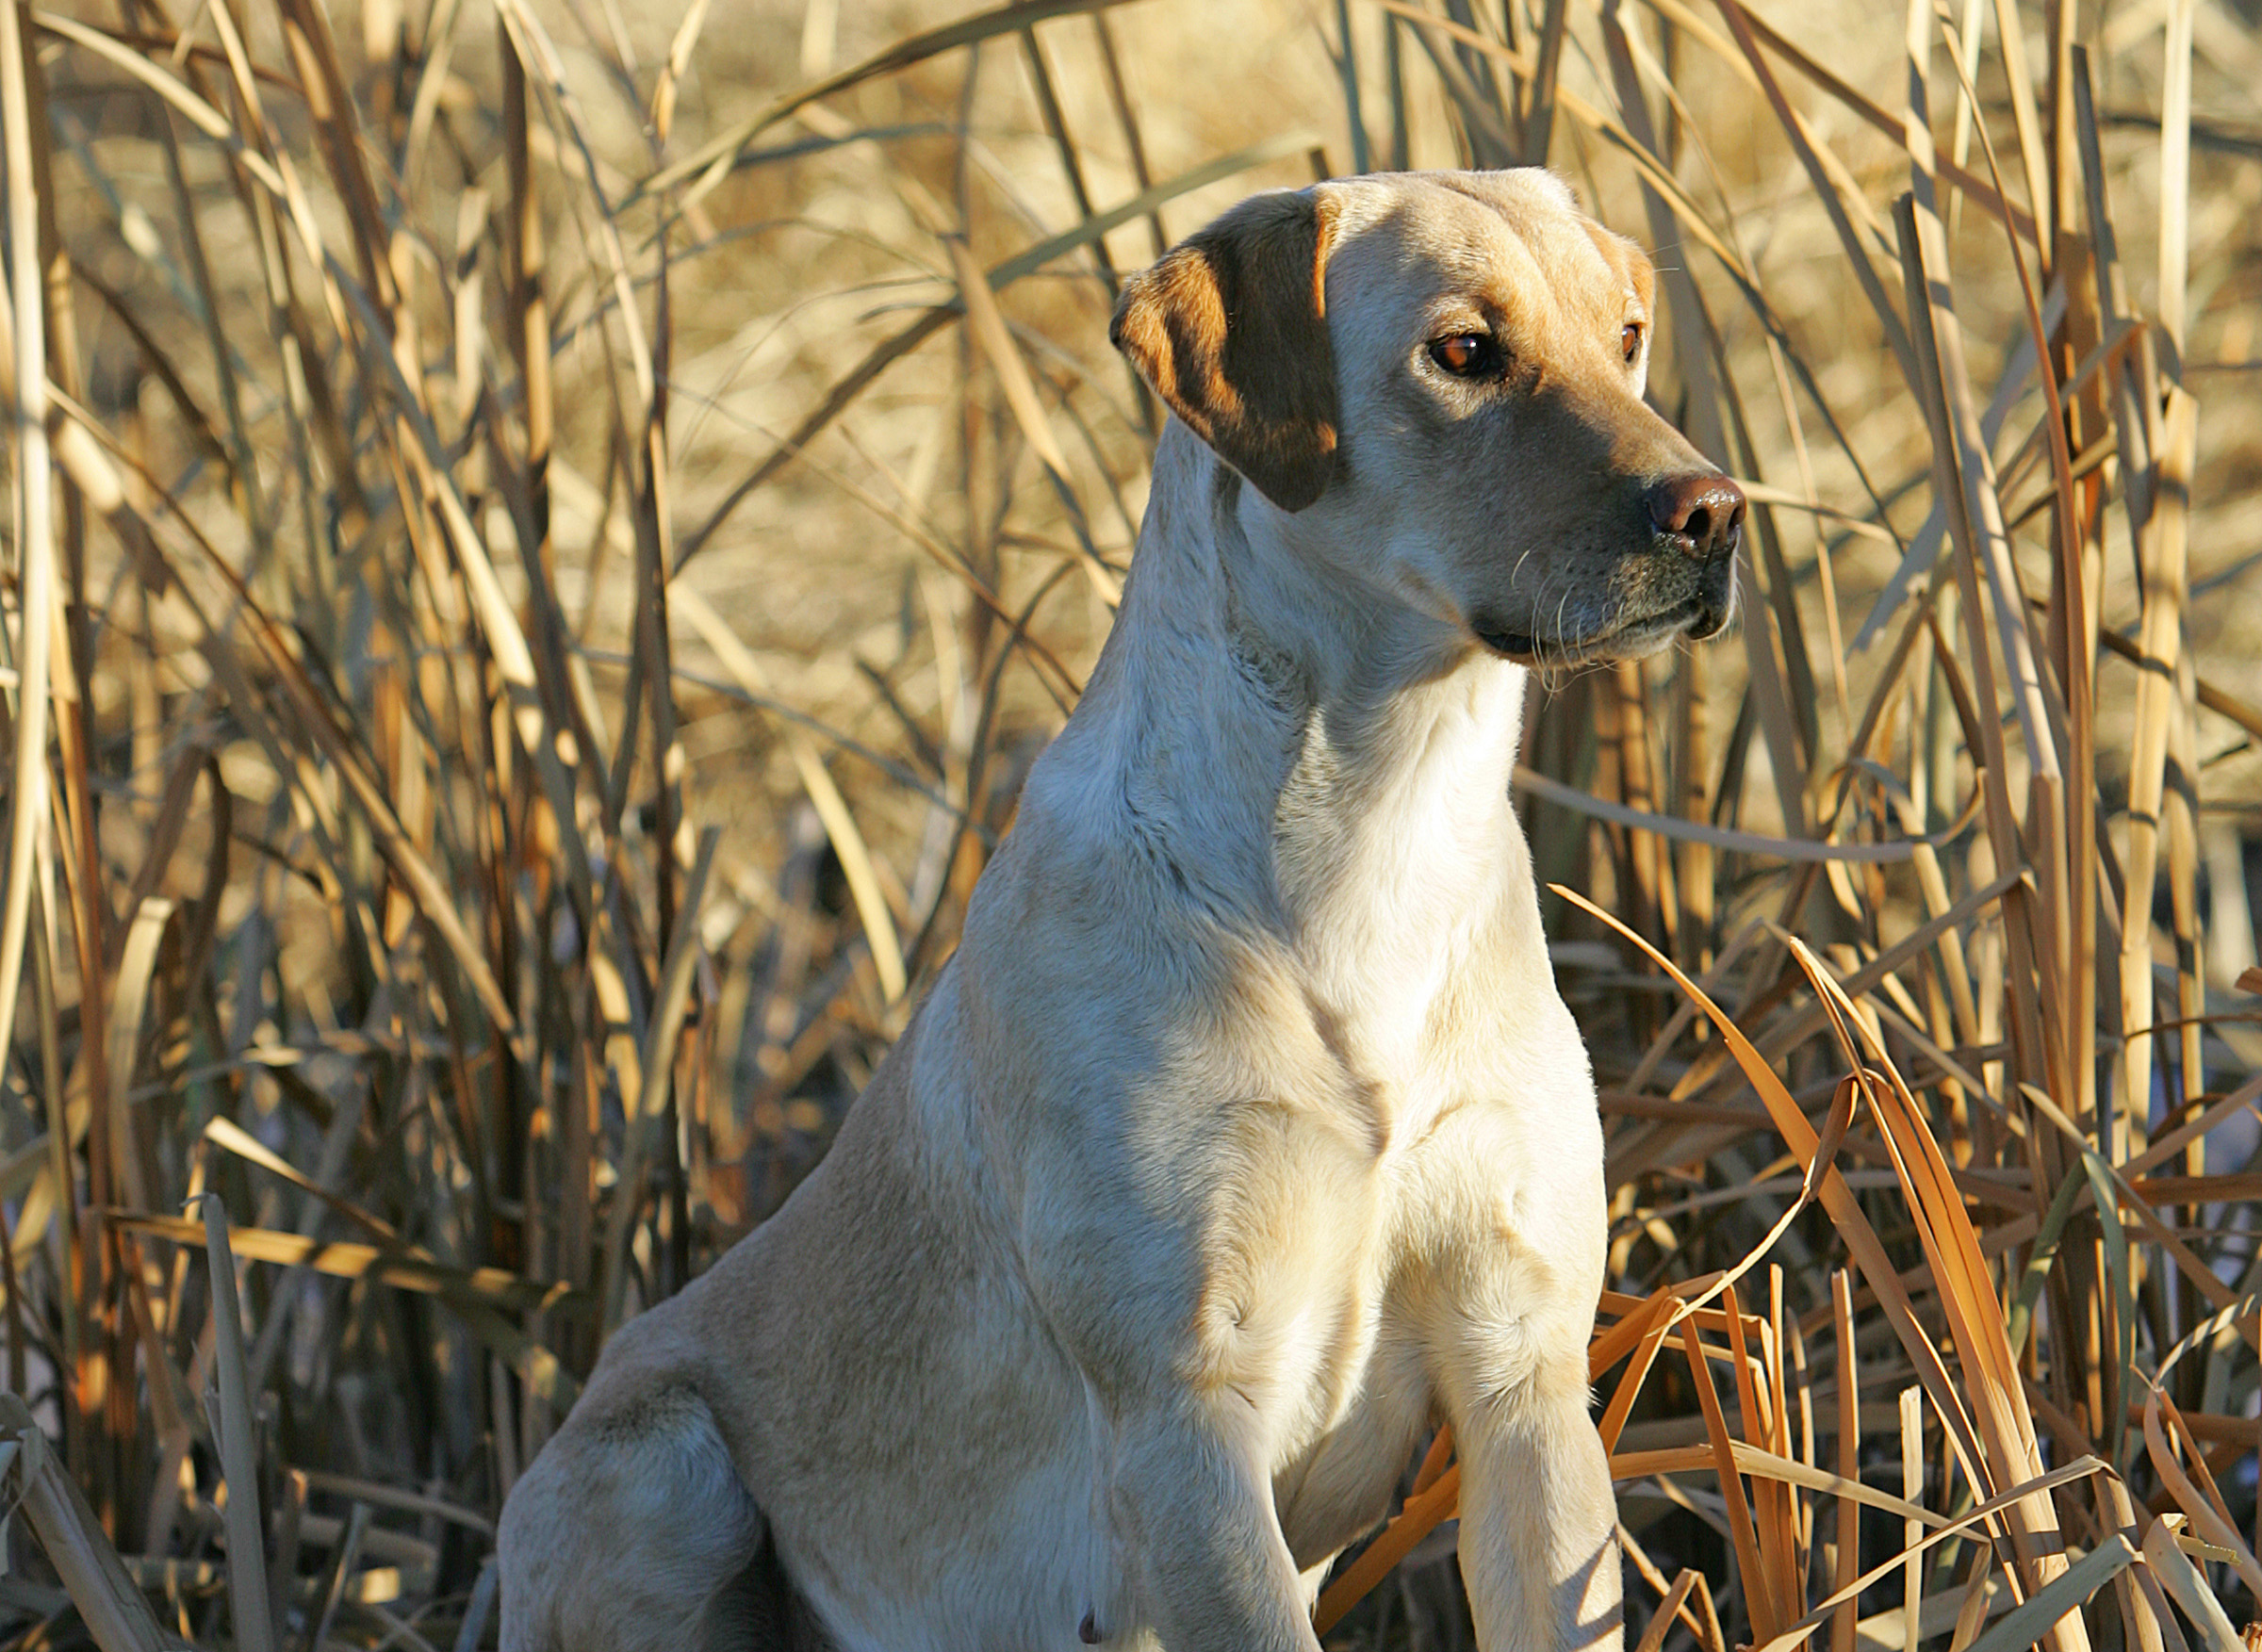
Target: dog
1245,1139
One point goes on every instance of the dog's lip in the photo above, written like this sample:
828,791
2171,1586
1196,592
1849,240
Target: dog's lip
1694,616
1514,646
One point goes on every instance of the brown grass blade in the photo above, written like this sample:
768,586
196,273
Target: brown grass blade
1772,1467
401,1269
1539,108
1849,1461
230,1402
115,1612
1671,1606
1758,1598
2160,639
34,488
662,1034
2190,1589
1654,1321
1726,838
1421,1516
128,1013
987,325
1912,1531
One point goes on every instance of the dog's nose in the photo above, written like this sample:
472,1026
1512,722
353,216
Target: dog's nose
1700,515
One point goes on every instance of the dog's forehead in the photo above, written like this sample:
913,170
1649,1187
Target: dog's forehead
1513,240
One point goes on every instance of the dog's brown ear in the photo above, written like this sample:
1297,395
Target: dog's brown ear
1230,330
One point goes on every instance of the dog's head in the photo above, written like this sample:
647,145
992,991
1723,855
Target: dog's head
1438,377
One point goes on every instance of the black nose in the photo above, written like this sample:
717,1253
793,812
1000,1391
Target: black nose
1701,514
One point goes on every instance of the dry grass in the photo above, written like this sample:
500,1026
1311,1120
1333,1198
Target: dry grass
540,555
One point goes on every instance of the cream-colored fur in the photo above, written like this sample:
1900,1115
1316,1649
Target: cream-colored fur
1245,1139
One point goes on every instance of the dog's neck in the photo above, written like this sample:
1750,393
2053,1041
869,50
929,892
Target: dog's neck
1316,755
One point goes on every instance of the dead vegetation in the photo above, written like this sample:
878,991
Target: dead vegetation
544,539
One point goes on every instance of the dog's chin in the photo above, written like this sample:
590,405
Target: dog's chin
1632,637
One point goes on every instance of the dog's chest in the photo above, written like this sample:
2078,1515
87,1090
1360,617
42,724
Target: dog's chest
1387,1135
1327,1342
1410,1128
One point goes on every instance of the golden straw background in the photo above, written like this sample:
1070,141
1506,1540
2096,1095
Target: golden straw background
544,535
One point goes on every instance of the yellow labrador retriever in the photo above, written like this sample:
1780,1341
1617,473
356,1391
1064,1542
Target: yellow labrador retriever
1245,1139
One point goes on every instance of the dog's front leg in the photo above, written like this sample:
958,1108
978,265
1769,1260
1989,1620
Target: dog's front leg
1538,1549
1195,1504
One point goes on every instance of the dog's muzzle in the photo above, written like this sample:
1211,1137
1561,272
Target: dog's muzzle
1680,583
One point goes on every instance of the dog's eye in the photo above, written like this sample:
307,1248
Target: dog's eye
1630,340
1466,355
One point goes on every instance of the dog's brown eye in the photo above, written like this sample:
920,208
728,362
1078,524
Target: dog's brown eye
1630,341
1466,355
